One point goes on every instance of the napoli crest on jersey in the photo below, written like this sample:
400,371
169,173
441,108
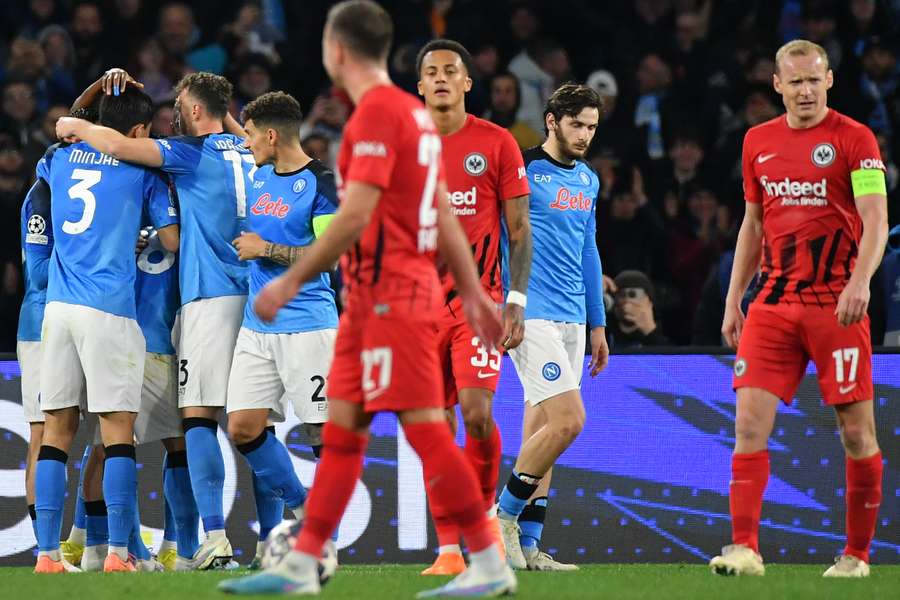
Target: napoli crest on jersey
551,371
475,164
823,154
584,178
299,186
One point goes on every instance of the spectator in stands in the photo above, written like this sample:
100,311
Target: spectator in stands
44,136
181,38
39,14
317,146
878,93
19,110
486,63
889,280
614,133
162,124
156,71
253,78
87,35
677,177
326,118
541,68
633,323
820,26
653,109
504,110
59,55
252,33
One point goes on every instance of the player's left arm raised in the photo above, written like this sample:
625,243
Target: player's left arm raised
870,196
142,151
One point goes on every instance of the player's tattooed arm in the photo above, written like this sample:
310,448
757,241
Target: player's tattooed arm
519,228
283,254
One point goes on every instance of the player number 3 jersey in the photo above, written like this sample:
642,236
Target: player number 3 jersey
807,181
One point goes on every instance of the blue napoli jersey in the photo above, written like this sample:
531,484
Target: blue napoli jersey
37,246
212,179
282,212
96,209
156,284
565,269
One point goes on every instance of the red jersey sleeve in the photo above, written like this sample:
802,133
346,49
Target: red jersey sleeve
373,146
752,190
512,178
863,151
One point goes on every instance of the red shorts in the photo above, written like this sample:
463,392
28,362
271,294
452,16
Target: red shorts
386,363
465,361
778,341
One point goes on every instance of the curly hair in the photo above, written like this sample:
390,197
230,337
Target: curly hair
277,110
213,91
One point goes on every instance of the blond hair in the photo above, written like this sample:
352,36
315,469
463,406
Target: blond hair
800,48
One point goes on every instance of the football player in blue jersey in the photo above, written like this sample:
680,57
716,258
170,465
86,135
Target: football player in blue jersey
211,173
565,290
283,363
90,337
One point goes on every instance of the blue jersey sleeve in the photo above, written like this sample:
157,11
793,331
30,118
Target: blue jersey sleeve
38,243
592,271
180,154
158,200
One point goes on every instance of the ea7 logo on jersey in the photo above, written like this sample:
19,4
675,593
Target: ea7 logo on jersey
35,228
823,155
475,164
540,178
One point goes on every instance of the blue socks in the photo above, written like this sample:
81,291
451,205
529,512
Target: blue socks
531,522
180,501
96,523
269,508
136,544
120,492
207,470
170,530
50,495
271,464
515,494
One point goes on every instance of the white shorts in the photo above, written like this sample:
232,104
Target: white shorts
159,417
271,370
208,330
29,356
550,359
83,348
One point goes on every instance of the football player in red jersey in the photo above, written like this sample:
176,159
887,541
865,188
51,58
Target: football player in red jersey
816,216
486,183
392,219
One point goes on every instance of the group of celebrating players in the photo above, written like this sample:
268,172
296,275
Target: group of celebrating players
252,226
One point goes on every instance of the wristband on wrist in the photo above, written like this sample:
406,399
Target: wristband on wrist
514,297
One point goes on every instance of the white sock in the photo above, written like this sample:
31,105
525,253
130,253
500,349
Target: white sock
167,545
260,545
487,560
215,534
121,551
53,554
450,549
298,512
77,536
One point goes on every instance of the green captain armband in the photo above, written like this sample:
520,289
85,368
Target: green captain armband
321,223
867,181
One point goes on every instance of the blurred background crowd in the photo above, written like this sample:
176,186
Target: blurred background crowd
682,80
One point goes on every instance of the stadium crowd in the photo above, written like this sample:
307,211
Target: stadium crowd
682,81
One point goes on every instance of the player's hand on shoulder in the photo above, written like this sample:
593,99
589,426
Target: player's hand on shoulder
732,325
249,245
484,318
852,303
273,296
599,351
513,325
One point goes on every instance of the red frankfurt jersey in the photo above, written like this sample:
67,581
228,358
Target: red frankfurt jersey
390,142
811,228
484,167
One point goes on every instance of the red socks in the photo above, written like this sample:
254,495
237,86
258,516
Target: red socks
863,498
336,475
452,487
484,456
749,476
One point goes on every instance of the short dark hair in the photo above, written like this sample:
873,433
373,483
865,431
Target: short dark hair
131,107
443,44
569,100
363,26
88,113
277,110
213,91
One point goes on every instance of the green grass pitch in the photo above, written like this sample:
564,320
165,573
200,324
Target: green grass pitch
357,582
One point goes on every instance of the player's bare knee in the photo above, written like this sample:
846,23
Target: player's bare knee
858,439
569,428
478,420
242,431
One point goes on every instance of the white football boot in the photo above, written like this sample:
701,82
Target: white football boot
847,566
738,559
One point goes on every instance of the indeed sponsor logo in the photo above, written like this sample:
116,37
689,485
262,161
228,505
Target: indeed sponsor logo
463,203
797,193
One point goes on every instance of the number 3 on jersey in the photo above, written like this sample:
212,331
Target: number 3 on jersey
429,156
86,179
